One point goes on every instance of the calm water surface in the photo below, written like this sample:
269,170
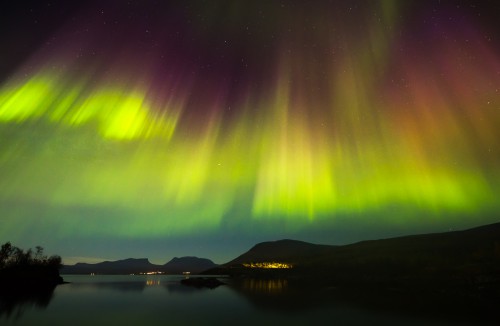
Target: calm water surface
162,300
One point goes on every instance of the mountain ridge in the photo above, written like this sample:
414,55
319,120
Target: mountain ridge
176,265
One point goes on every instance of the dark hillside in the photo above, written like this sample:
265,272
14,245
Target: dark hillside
193,265
292,251
466,261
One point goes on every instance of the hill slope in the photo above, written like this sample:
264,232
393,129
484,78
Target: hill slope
194,265
469,258
291,251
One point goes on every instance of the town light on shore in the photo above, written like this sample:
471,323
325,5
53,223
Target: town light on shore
275,265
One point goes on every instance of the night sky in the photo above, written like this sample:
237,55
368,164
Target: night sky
170,128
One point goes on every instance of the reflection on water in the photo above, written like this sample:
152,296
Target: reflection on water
273,286
114,286
13,304
161,299
297,298
278,295
178,288
152,282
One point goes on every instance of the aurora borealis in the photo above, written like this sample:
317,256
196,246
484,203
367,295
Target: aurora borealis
157,128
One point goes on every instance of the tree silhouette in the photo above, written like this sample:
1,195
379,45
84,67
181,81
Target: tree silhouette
18,266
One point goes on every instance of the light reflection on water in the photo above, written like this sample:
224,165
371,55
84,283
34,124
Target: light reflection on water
273,286
161,300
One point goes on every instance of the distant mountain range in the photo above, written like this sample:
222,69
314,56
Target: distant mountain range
194,265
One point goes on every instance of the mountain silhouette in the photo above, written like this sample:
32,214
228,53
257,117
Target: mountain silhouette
193,265
461,260
287,250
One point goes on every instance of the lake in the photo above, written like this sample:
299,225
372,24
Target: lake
162,300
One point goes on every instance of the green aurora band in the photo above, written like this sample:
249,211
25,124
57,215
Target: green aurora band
325,138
